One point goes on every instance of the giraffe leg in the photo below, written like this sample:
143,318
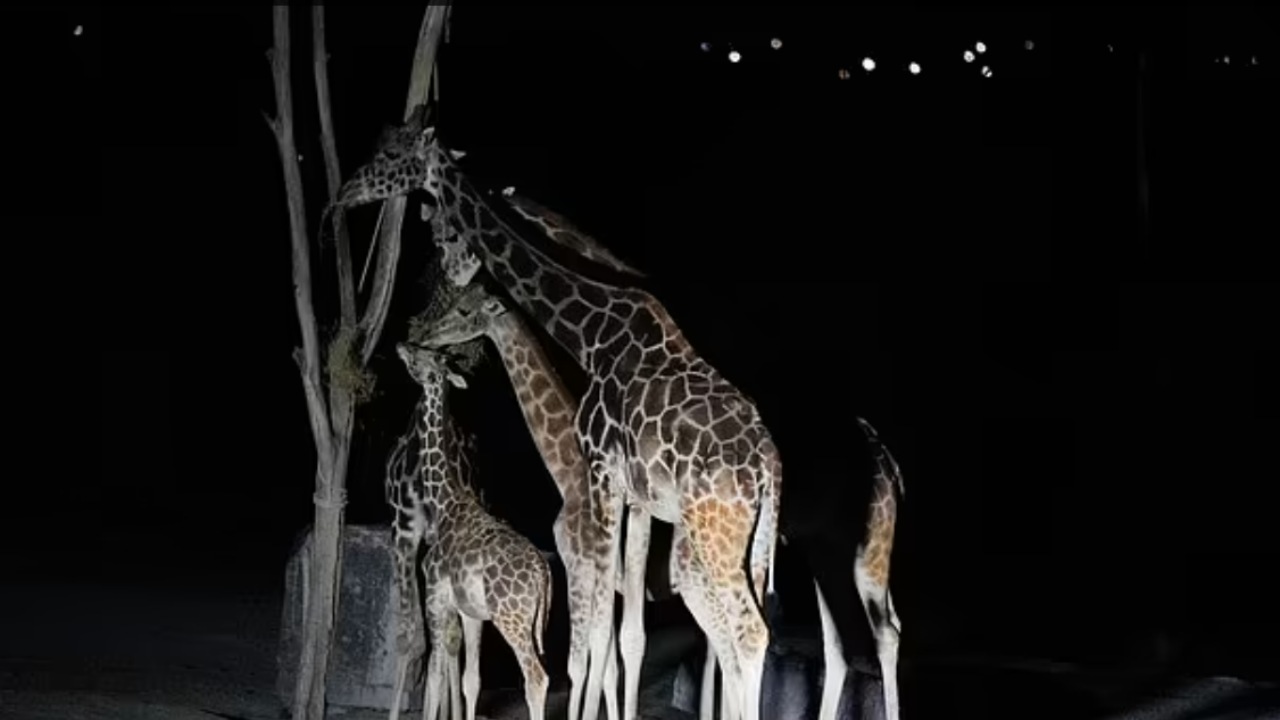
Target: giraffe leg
885,628
471,629
603,654
707,700
727,704
520,638
433,688
719,537
452,648
631,638
610,662
441,619
579,576
834,666
410,642
700,598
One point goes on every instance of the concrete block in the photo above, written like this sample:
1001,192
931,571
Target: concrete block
362,664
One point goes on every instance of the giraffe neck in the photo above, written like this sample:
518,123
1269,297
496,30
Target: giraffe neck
548,407
606,328
443,491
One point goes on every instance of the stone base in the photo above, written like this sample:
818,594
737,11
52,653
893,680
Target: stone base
363,660
792,684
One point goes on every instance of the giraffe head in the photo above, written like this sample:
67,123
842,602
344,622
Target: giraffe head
428,367
459,261
405,160
470,317
438,175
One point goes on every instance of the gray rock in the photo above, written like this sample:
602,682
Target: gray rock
362,664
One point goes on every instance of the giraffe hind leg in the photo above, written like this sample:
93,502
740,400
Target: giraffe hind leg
707,699
519,634
885,628
602,666
703,597
631,636
471,633
720,537
833,664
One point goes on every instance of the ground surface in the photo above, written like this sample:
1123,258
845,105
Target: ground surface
77,653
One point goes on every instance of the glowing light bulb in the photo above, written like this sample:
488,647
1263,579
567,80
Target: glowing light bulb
1109,48
986,71
968,56
868,64
843,74
78,31
1226,59
914,68
980,47
1253,59
775,43
706,47
1030,45
734,56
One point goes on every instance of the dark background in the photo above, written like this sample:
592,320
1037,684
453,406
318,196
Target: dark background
1083,404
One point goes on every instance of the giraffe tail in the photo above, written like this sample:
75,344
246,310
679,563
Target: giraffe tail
543,612
766,539
887,469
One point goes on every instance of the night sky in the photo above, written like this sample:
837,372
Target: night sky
1083,404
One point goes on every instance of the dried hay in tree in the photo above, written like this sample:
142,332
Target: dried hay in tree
344,368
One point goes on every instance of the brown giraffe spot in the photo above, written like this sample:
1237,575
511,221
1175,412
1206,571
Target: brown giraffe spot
556,424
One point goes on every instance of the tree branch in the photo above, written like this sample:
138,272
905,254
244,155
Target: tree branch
319,65
282,127
375,315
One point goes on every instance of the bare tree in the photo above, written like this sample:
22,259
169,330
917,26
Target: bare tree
331,405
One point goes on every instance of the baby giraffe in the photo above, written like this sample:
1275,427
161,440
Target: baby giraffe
485,570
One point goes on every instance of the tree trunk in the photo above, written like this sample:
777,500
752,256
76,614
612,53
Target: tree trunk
332,418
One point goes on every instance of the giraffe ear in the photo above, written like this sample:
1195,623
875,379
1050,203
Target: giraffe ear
425,140
457,154
508,191
456,380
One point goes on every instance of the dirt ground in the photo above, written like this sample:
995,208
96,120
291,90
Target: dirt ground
92,653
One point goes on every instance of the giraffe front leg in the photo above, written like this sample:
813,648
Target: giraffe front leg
434,685
631,638
885,628
580,582
410,642
471,632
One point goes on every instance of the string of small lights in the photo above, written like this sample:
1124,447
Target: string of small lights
975,55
